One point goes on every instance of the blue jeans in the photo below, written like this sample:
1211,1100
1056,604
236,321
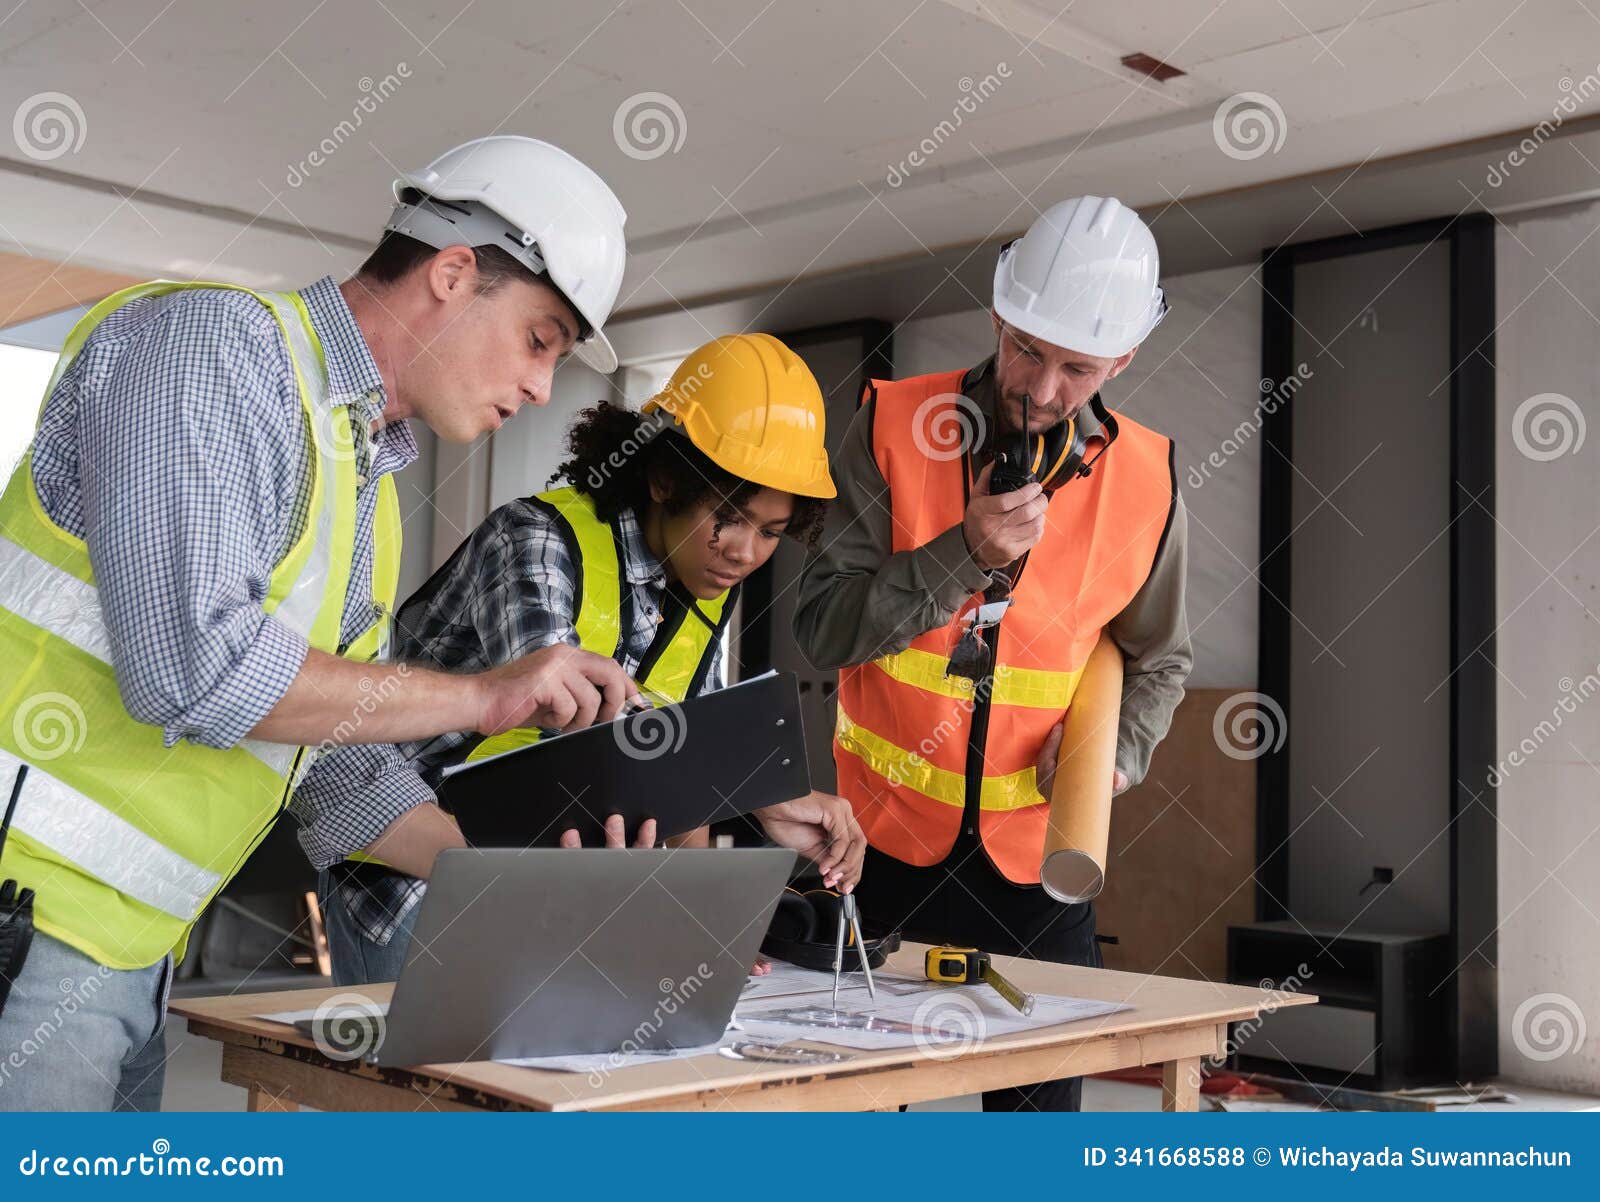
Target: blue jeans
76,1035
358,960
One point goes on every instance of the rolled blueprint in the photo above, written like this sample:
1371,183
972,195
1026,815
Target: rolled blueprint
1079,830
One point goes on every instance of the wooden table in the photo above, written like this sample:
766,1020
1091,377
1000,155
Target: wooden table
1173,1023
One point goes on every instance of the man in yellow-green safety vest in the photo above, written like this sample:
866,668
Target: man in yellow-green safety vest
198,560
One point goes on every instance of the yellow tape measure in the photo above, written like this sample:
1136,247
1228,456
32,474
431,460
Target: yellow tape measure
966,966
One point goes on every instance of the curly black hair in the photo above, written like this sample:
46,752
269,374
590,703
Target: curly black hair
617,453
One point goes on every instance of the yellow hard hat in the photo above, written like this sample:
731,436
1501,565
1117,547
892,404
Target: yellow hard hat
753,408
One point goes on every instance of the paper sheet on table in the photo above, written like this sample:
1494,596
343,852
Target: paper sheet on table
601,1062
948,1017
911,1013
610,1062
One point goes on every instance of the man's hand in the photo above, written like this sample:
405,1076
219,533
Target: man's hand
823,828
616,834
999,529
1050,755
558,688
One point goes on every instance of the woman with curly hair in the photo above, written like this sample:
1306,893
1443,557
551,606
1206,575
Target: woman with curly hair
639,556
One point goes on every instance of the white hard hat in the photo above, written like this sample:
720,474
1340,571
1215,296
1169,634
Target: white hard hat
1084,277
540,205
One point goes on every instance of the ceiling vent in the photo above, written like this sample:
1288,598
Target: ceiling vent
1153,68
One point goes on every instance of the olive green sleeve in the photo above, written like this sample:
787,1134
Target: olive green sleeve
858,598
1153,634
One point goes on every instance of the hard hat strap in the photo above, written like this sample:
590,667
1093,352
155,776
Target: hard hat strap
440,224
445,223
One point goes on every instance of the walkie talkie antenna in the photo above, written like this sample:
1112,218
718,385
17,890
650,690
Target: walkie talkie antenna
1026,463
11,806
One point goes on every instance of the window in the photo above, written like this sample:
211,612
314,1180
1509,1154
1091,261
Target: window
641,380
28,354
24,375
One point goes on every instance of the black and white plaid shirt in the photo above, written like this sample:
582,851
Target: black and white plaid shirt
174,445
510,589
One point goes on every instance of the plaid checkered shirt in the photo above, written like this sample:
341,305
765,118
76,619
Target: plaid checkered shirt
175,446
510,589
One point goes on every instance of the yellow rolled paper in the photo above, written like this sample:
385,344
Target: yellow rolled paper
1074,867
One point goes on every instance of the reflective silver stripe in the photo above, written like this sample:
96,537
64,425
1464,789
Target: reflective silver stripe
299,609
106,846
301,348
55,600
279,757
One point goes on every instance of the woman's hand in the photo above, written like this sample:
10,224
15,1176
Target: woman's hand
615,834
823,828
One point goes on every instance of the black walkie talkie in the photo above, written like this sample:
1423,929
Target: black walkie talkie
1011,470
16,907
970,657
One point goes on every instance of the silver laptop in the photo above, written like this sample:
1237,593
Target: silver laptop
549,952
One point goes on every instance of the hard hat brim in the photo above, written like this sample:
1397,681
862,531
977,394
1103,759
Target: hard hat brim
597,352
820,487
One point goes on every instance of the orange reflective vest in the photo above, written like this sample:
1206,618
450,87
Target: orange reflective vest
904,728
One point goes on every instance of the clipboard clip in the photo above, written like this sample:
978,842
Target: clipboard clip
647,699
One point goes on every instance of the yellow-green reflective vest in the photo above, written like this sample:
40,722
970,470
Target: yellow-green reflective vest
126,841
683,647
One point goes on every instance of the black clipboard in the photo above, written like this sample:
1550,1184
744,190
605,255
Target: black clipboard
713,757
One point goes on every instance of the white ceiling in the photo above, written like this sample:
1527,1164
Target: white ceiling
793,115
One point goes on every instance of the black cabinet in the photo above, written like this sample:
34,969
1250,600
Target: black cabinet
1381,1021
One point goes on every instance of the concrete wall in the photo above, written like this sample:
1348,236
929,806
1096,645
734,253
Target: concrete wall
1548,597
